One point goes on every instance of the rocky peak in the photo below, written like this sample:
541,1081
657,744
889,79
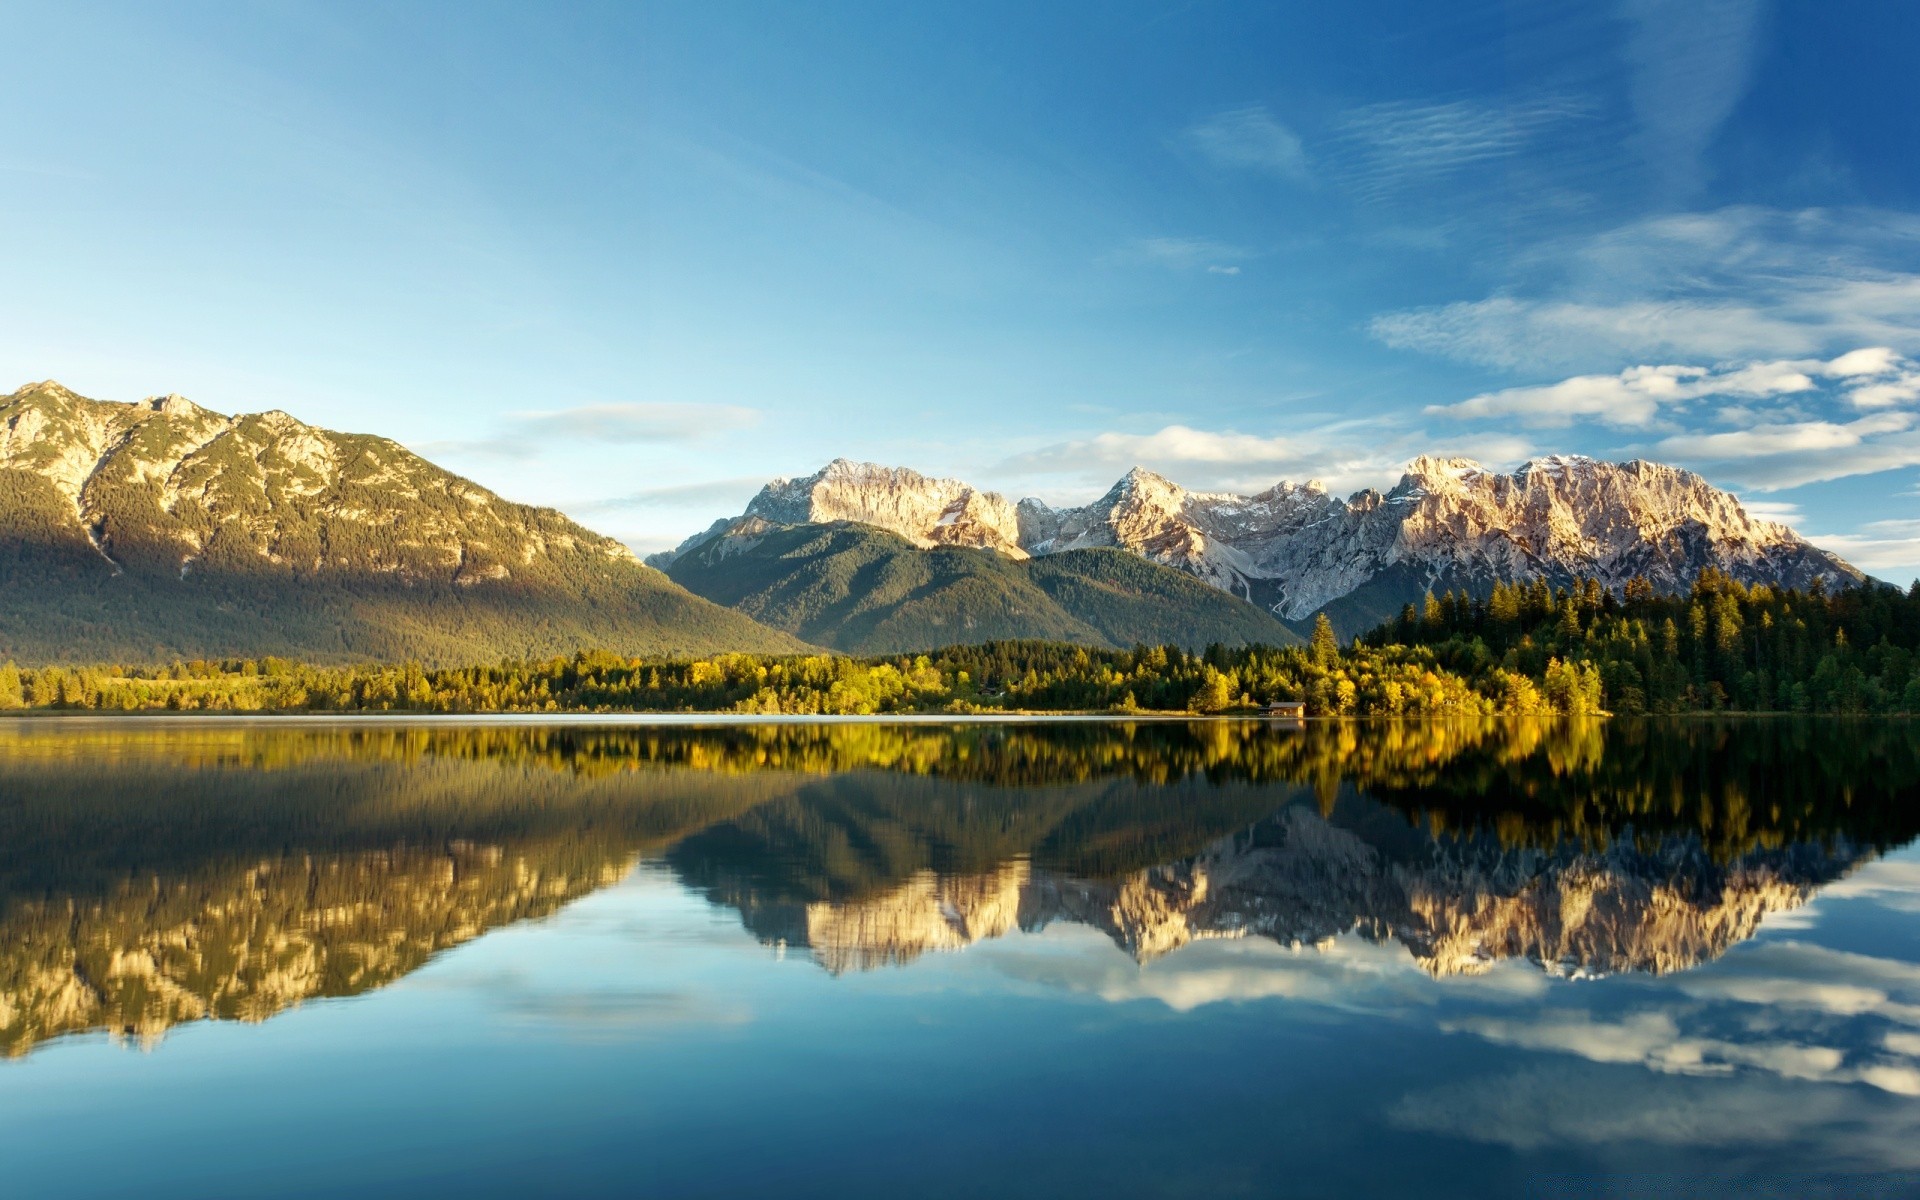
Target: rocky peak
1450,522
162,484
1430,467
928,512
175,405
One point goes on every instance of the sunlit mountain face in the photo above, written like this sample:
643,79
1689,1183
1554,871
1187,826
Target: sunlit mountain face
159,873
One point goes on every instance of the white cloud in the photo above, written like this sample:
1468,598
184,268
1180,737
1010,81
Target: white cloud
1771,457
1761,442
1880,546
1635,396
1250,139
1735,283
1872,360
1772,441
1343,456
1781,511
1901,389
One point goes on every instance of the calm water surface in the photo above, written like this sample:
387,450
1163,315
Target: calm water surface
1092,959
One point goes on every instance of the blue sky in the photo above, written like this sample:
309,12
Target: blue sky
633,259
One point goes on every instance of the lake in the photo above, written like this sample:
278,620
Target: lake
1047,958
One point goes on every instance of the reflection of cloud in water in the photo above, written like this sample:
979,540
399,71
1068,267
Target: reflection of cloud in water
1891,883
613,1012
1594,1107
1805,976
1347,973
1796,1011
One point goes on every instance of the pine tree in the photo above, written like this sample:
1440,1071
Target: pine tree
1325,645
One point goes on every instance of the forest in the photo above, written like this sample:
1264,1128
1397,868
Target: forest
1724,646
1522,649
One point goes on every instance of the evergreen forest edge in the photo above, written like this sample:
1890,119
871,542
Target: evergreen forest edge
1523,648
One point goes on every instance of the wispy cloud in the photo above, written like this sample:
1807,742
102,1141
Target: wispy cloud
1824,987
1878,546
1635,397
1185,254
1735,283
1250,139
1384,147
526,434
1787,438
1689,63
1343,456
684,495
1762,442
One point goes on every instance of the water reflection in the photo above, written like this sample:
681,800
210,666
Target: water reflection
153,873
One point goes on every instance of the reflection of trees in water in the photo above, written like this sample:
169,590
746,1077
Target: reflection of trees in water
158,872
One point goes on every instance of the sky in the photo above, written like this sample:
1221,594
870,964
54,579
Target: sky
632,260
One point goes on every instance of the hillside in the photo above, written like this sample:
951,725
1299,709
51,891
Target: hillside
159,530
867,591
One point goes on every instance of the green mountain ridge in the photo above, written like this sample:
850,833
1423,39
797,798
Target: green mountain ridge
156,530
863,590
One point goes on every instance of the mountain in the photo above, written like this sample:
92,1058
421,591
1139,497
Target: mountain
1297,550
159,529
864,590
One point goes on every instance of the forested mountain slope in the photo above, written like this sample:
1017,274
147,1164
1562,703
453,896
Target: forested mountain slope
867,591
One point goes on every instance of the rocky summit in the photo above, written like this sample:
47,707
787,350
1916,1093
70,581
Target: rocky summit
159,529
1296,549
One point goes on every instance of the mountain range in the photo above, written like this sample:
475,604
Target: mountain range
1296,550
158,529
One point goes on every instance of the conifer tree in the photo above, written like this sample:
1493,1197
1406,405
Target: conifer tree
1325,645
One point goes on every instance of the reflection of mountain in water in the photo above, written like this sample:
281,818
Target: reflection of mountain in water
246,946
1458,904
155,873
228,874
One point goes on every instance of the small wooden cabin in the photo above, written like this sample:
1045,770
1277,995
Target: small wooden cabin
1284,708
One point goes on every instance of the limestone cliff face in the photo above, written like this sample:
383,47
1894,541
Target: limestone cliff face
175,531
245,946
1300,879
929,512
1296,549
168,485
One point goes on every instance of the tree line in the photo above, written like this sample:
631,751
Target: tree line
1722,646
1522,649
